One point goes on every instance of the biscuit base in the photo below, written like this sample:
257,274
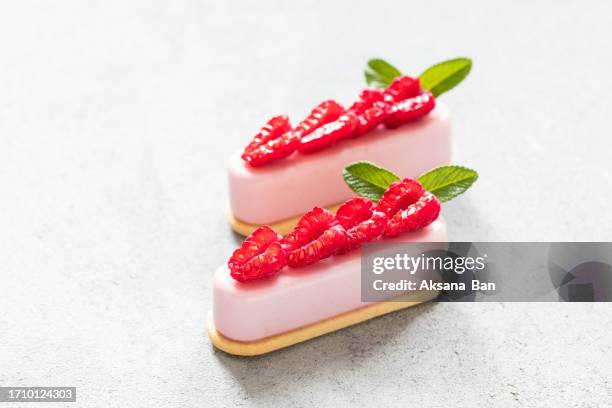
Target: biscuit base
283,227
350,318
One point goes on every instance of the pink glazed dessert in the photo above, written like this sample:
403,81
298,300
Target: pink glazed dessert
298,297
397,122
276,291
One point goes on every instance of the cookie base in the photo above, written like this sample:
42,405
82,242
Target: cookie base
350,318
283,227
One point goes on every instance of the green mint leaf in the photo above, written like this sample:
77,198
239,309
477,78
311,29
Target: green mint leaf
367,179
446,75
447,182
379,73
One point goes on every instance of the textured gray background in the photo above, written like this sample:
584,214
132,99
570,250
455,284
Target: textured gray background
116,120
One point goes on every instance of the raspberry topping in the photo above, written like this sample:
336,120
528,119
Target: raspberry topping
260,256
316,236
323,113
328,134
361,222
410,110
273,142
416,216
400,195
401,102
402,88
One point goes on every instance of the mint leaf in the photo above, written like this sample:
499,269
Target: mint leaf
447,182
446,75
367,179
379,73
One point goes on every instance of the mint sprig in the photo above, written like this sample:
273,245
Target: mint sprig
445,76
367,179
379,73
437,79
446,182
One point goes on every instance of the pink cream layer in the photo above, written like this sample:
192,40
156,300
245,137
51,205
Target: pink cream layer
290,187
297,297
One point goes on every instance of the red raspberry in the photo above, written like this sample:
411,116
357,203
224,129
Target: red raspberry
367,98
402,88
260,256
323,113
273,142
416,216
329,134
410,110
275,127
400,195
371,118
361,222
316,236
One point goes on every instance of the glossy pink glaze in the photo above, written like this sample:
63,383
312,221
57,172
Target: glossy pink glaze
297,297
292,186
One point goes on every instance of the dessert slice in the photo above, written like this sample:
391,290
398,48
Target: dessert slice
286,170
278,291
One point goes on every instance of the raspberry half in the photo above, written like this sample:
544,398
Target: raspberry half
275,127
402,88
367,98
400,195
410,109
273,142
329,134
416,216
316,236
260,256
323,113
361,222
371,118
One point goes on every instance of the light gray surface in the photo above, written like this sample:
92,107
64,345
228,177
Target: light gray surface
116,119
